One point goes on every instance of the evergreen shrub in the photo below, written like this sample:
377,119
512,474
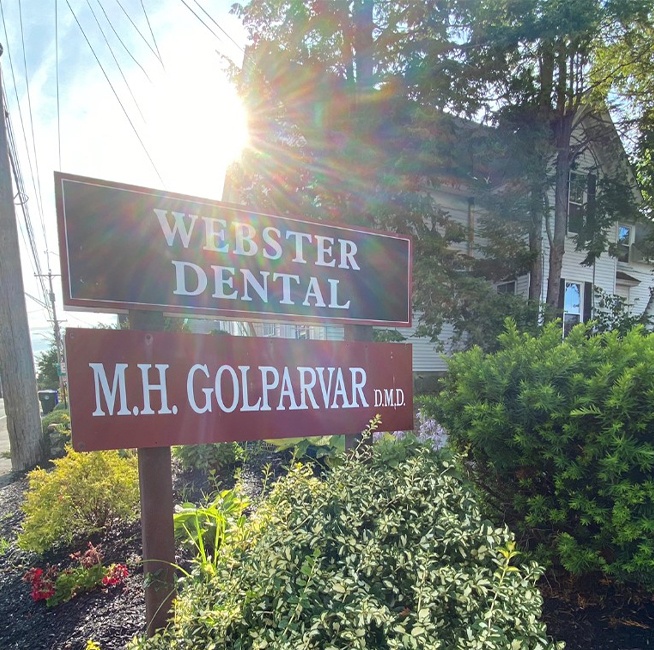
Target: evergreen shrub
372,555
560,437
83,493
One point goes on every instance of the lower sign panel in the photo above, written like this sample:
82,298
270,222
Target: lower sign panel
151,389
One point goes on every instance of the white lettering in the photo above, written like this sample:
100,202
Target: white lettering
180,279
348,250
148,388
245,244
269,381
313,291
190,393
221,282
358,386
299,238
323,250
179,226
214,235
275,251
249,280
117,386
218,386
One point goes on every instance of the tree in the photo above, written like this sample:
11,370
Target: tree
326,145
47,375
531,63
532,69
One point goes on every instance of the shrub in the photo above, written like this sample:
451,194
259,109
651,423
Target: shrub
85,492
58,419
209,457
370,556
560,437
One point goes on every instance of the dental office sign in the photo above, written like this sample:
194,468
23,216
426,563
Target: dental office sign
125,247
156,389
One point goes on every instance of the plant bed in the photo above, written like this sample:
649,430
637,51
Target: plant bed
610,620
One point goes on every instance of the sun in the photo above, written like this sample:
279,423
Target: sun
197,126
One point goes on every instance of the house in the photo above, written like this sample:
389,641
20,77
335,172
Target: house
623,271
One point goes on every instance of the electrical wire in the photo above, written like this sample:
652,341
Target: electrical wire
202,21
37,180
240,47
57,83
120,40
122,106
145,40
111,51
154,40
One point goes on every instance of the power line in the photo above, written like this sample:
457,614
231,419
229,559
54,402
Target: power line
212,19
111,51
138,137
154,40
205,24
120,40
145,40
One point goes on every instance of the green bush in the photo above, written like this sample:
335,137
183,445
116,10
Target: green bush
85,492
560,437
370,557
209,457
58,419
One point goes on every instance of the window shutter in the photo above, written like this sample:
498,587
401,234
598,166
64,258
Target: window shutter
591,203
587,314
559,311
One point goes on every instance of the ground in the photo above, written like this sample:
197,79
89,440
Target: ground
604,620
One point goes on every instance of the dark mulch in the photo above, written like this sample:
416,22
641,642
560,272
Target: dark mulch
604,620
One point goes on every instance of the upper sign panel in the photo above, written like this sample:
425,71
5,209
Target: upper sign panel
125,247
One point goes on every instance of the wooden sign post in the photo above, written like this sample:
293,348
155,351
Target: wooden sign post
157,534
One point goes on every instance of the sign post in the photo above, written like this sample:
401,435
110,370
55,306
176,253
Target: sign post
157,532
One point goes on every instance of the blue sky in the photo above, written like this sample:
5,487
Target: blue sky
184,117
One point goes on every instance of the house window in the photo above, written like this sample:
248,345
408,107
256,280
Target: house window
268,330
506,288
577,196
571,306
625,239
582,192
302,332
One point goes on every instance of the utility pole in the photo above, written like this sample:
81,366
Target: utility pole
26,441
57,337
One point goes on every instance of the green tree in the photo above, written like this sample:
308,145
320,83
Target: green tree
530,64
47,375
326,145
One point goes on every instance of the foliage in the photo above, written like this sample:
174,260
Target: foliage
558,435
59,419
612,313
209,457
83,493
324,449
205,527
57,587
47,377
370,556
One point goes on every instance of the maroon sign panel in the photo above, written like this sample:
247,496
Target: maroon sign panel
125,247
152,389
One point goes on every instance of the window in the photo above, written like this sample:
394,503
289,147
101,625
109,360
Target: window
625,239
302,332
506,288
269,330
571,306
581,200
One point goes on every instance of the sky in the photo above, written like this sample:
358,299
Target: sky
130,91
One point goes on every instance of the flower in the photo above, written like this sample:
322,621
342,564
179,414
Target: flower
115,575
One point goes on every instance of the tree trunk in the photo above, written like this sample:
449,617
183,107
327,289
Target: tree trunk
563,132
536,246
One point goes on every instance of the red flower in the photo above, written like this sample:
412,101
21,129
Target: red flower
116,574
